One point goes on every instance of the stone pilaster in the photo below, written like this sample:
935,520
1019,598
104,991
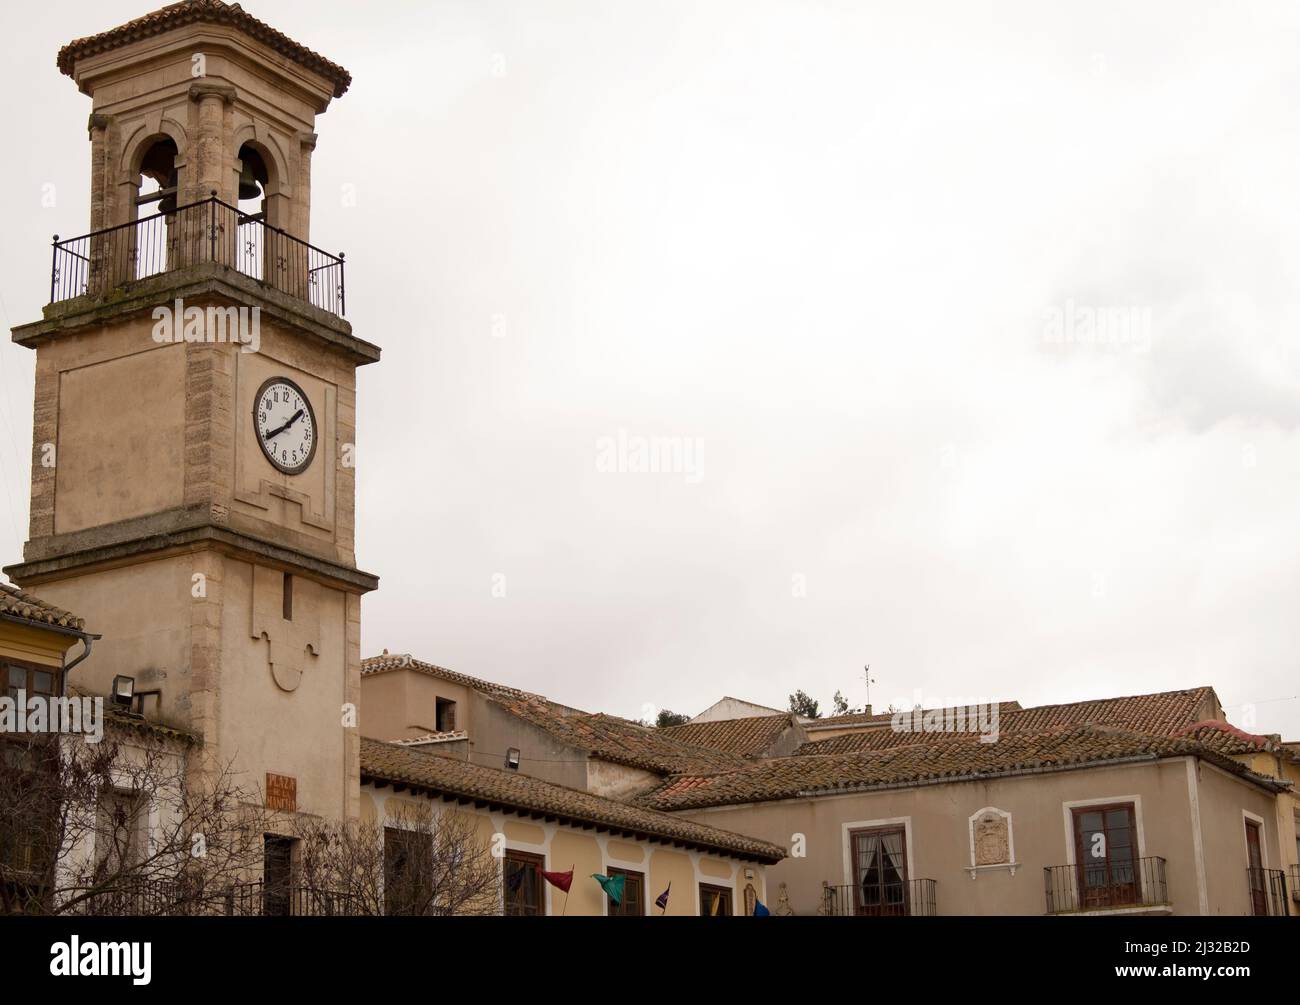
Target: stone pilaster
45,433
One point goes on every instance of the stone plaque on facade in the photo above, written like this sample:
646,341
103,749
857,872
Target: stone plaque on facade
281,792
992,843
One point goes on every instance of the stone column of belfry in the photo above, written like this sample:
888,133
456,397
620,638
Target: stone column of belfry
97,270
111,202
97,127
293,216
301,225
205,169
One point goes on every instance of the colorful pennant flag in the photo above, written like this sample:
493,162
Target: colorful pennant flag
561,880
612,885
661,901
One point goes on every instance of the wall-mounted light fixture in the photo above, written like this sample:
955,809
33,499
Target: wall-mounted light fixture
123,690
512,758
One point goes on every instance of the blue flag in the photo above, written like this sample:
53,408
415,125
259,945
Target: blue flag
760,911
661,901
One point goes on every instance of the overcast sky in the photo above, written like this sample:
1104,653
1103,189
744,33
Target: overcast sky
844,255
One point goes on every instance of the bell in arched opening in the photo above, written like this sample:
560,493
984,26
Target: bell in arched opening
253,176
159,166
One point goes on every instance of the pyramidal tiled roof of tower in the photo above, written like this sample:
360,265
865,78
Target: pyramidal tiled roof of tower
187,12
26,607
386,662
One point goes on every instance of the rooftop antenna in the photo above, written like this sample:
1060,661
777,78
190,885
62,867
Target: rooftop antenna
866,672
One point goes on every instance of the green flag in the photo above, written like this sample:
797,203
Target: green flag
612,885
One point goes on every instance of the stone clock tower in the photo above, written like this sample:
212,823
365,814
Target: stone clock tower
193,467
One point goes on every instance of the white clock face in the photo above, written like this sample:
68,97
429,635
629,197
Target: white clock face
285,424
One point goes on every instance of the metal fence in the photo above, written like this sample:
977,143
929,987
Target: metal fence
1108,884
1268,896
904,898
96,264
176,898
258,900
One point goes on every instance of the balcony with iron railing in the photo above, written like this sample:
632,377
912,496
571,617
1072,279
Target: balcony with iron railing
1109,886
101,263
140,897
904,898
1267,888
1294,877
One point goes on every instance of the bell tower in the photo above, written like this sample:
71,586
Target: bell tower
193,460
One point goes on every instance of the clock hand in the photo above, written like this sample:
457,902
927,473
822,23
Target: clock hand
296,416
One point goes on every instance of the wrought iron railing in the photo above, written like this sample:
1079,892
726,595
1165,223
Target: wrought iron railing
1107,884
259,900
99,263
903,898
177,898
1267,889
1294,878
139,897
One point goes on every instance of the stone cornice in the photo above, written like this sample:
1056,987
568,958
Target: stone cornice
186,541
69,316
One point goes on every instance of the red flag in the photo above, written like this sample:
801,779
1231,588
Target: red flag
563,880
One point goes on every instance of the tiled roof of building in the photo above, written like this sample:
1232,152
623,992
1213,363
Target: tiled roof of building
391,764
882,718
186,12
873,739
26,607
115,716
949,760
1165,713
1228,739
746,737
621,741
405,661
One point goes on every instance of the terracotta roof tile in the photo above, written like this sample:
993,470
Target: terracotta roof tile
920,764
405,661
138,723
620,740
393,764
880,718
1164,713
15,603
210,12
1228,739
747,737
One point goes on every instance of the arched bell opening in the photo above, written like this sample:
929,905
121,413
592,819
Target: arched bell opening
254,182
253,204
159,179
127,253
267,251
